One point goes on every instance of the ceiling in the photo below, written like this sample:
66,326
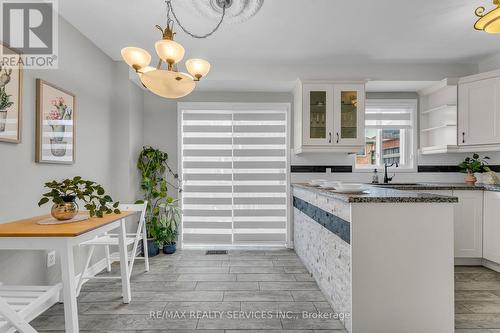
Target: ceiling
299,32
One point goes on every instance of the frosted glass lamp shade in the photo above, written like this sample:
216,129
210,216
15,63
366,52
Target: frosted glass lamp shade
489,22
146,69
168,84
136,57
169,51
198,67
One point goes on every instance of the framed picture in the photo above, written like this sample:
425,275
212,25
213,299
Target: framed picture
55,124
11,89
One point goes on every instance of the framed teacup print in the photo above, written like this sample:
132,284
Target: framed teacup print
55,124
11,88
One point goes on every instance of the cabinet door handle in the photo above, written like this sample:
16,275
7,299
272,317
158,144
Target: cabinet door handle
330,137
337,137
463,137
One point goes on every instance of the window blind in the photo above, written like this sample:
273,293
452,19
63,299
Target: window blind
234,177
396,115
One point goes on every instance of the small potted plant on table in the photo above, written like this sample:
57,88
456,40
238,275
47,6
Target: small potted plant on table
64,194
472,165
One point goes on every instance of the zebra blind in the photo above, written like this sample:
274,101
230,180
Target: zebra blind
234,178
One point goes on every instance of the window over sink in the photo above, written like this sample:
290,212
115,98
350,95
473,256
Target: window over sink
390,134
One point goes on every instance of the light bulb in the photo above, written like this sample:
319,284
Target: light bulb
169,51
136,57
198,67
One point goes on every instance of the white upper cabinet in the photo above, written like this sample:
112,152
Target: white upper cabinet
479,110
318,114
329,117
348,122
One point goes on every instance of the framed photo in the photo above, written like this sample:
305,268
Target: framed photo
11,89
55,124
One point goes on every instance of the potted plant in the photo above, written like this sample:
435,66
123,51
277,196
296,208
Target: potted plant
152,164
65,193
168,226
472,165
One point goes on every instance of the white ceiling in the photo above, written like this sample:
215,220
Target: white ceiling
299,32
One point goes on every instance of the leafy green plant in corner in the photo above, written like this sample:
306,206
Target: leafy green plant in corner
97,202
5,101
153,166
474,164
168,223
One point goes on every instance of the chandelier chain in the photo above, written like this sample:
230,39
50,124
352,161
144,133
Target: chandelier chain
170,9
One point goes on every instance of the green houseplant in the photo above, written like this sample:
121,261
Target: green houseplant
153,166
65,193
471,165
168,226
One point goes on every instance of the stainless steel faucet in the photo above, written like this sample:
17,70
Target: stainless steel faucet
388,179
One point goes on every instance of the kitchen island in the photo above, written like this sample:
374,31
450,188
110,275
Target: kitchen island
384,260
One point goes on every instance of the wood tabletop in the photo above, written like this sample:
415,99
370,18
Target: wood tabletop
30,227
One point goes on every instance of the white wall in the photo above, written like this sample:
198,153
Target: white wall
489,63
91,76
160,116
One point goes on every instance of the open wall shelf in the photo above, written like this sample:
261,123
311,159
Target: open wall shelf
438,118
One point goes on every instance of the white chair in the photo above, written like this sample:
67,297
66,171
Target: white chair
108,240
21,304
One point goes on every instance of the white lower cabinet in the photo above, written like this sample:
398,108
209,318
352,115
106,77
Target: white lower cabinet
469,224
491,227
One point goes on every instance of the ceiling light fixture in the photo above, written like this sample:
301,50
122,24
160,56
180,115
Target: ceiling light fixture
489,22
169,82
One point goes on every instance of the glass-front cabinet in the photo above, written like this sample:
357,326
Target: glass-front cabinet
318,114
349,99
331,116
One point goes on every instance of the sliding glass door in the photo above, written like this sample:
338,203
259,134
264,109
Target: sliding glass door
233,162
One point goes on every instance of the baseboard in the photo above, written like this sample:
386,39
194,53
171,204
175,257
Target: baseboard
468,261
491,265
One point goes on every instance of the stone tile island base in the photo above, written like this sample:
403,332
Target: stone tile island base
385,267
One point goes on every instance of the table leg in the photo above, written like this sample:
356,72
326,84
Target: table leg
124,262
69,289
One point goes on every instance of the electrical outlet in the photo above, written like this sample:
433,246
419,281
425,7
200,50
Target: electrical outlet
51,258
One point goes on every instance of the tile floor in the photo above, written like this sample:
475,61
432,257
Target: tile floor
477,300
248,281
254,282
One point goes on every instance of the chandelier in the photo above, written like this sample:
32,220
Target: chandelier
489,22
169,82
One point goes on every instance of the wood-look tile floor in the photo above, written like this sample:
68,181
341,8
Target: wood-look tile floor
248,282
477,300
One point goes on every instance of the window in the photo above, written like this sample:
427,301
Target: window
390,135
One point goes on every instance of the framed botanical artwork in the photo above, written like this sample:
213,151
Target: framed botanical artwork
55,124
11,89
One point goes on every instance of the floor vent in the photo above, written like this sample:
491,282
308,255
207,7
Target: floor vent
212,252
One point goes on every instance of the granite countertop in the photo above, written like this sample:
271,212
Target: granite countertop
441,186
378,194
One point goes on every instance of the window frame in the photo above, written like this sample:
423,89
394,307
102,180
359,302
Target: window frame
408,141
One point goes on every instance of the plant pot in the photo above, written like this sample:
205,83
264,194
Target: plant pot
470,179
153,249
66,210
169,248
3,120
